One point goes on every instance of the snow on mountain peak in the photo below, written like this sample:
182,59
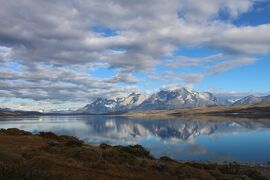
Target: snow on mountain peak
164,99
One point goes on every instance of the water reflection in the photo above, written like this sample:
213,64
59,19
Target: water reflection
183,139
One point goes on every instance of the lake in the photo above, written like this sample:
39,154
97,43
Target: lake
180,138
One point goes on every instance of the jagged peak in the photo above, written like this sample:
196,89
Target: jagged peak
133,94
164,99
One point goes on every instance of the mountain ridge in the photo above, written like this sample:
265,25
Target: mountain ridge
162,100
103,105
251,99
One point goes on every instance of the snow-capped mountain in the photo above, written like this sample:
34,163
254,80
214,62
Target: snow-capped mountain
164,99
252,100
226,100
179,98
248,100
131,101
103,105
99,106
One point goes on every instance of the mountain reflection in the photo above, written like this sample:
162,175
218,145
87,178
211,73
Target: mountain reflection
125,130
184,138
174,130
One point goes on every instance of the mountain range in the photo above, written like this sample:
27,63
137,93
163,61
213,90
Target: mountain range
11,112
179,98
5,110
103,105
164,100
252,100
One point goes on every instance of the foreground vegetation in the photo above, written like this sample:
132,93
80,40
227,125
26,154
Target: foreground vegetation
48,156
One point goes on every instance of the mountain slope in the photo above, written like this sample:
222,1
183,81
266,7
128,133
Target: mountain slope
179,98
131,101
252,100
102,105
248,100
164,99
256,111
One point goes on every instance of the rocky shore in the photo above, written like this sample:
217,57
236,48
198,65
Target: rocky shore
48,156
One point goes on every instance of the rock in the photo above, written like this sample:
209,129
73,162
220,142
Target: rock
166,159
160,166
48,135
74,142
15,132
137,150
104,146
53,143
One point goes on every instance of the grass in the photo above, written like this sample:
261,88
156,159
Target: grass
26,156
260,110
9,157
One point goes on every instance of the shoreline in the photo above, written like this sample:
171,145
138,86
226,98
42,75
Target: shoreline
48,155
254,111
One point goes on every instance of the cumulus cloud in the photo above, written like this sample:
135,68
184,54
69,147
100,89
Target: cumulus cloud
59,32
58,84
49,40
245,40
208,9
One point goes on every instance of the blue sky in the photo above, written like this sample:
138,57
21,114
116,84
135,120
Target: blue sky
65,59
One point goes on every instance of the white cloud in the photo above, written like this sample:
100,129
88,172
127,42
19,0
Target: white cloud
185,61
208,9
230,64
49,39
170,77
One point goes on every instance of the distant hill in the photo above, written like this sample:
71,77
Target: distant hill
259,110
2,110
10,112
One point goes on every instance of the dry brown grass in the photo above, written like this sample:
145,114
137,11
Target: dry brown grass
47,156
261,110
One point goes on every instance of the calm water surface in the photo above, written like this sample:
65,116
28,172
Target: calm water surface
182,139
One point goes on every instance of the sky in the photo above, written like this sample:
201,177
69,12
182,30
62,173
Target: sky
58,54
